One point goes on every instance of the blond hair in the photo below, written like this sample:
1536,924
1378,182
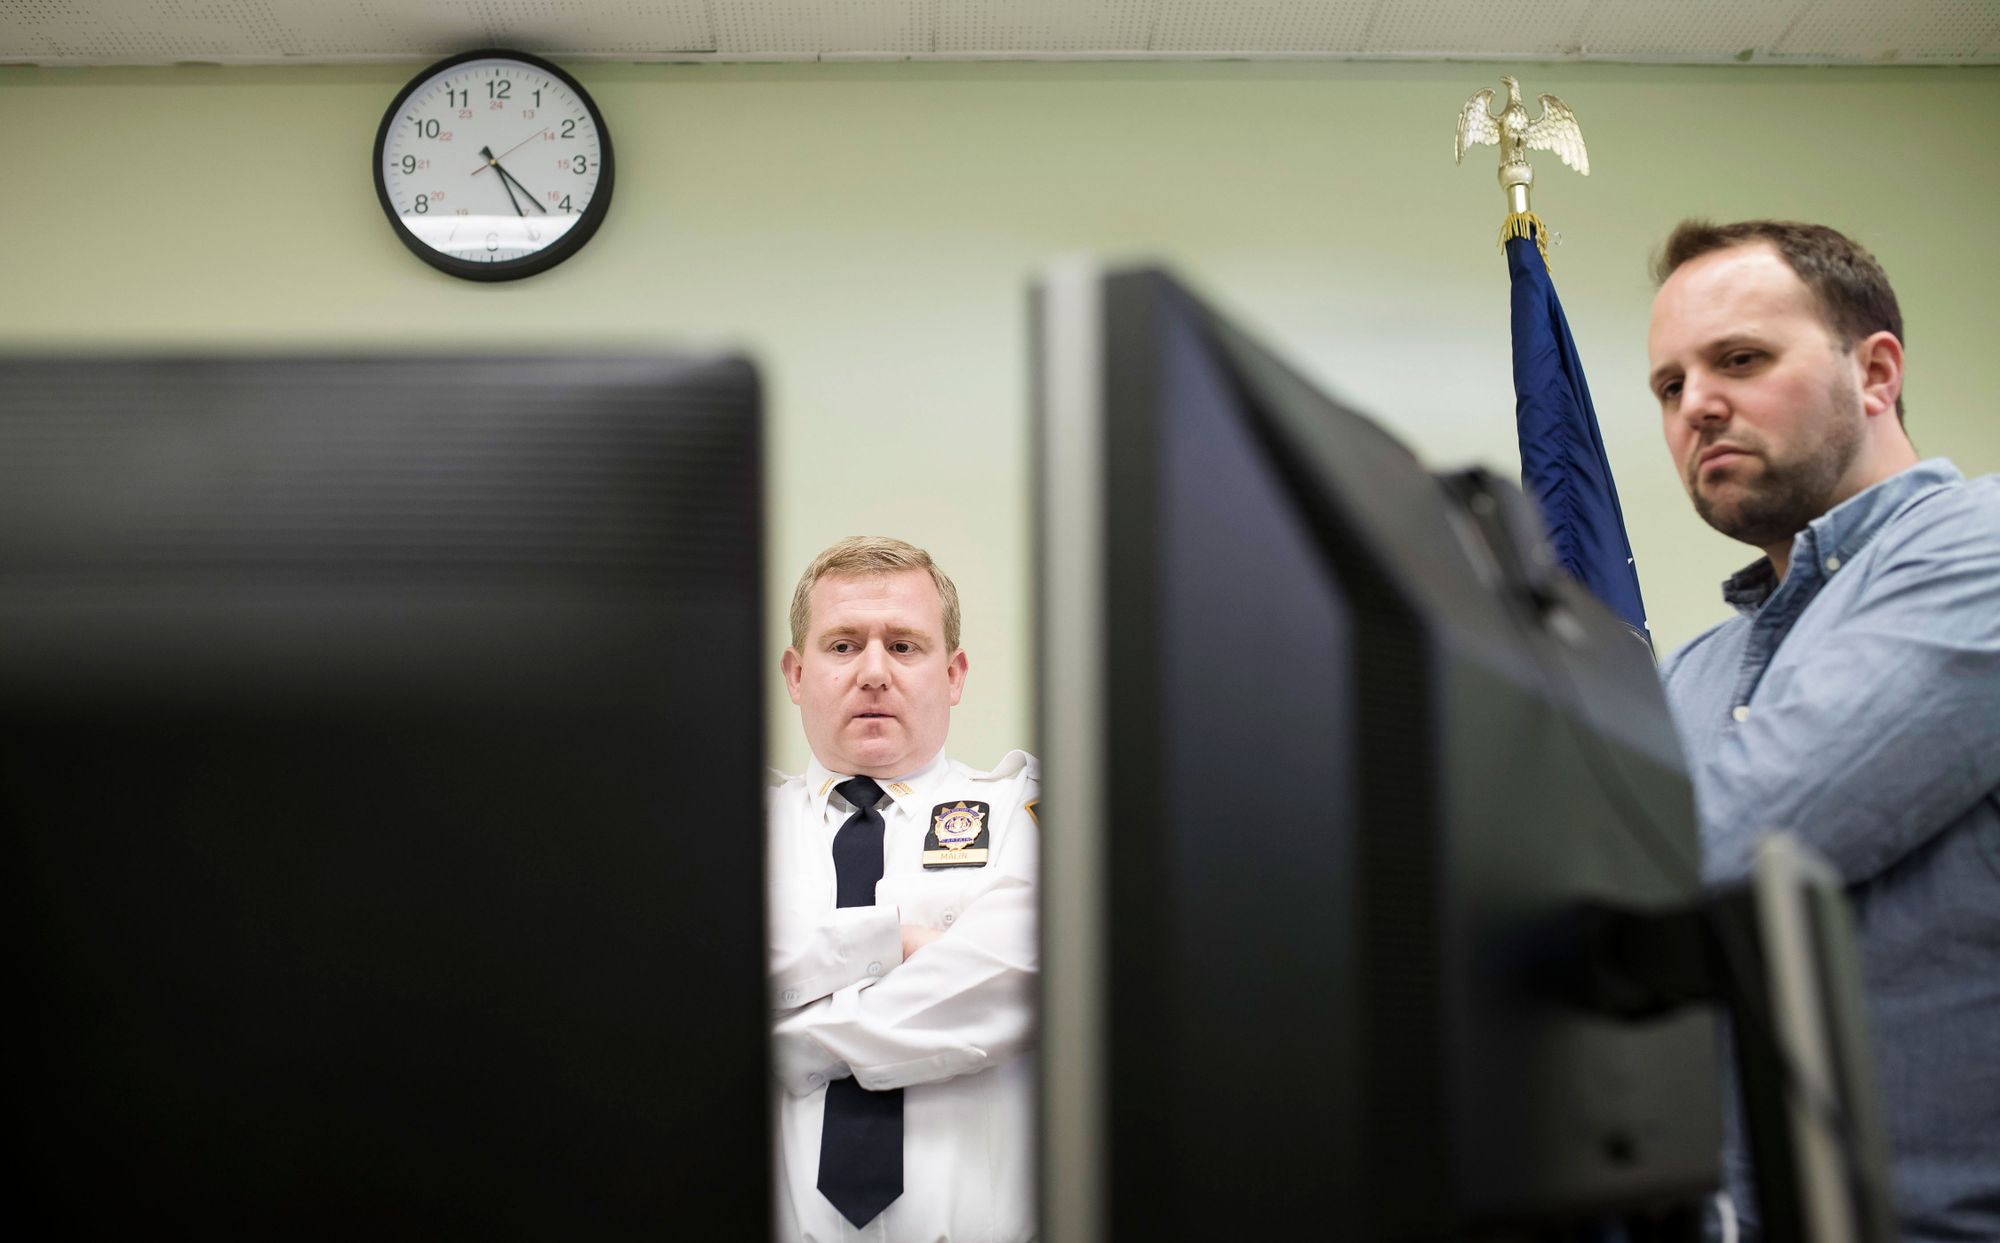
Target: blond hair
862,555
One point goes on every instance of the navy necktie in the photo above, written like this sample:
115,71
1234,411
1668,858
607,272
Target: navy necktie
861,1140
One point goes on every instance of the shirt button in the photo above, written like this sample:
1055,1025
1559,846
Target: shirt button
874,968
1740,712
948,917
791,996
1832,564
815,1079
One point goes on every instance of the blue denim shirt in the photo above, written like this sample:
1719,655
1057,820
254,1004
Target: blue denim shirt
1857,704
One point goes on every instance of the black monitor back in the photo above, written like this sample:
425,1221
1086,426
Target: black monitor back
379,770
1355,778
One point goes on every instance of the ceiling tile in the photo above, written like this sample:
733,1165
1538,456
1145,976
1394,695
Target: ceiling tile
756,27
1329,26
1067,26
1923,31
83,32
1688,30
1537,28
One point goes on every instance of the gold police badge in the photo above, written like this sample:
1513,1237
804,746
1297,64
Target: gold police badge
958,835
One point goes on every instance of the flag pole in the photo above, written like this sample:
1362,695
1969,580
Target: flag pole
1563,461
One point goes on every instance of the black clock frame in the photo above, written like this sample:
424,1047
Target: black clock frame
527,265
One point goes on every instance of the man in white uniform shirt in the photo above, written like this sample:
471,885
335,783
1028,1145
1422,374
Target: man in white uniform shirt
903,951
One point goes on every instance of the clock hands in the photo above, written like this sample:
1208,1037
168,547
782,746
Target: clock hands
488,153
524,142
523,189
506,178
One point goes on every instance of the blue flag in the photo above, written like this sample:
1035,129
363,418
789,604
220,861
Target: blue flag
1563,465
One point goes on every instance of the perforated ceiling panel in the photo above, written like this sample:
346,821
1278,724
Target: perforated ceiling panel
1262,26
228,29
602,27
86,32
264,31
1543,29
751,28
1913,30
1046,25
1698,30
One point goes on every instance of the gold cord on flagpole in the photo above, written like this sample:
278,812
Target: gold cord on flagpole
1526,224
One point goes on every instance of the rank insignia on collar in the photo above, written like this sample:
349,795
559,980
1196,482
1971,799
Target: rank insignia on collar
959,836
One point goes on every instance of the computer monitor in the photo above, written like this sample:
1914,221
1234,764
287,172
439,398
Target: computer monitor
1806,1076
380,773
1333,757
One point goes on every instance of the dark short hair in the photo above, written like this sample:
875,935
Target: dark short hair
1852,292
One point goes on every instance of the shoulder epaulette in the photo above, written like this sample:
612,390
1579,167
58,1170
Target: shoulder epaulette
1010,765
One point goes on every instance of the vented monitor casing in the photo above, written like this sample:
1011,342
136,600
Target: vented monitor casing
380,760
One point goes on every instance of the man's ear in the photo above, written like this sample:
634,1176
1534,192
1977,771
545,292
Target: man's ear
954,674
794,669
1879,359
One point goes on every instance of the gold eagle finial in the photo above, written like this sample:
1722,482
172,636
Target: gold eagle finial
1555,130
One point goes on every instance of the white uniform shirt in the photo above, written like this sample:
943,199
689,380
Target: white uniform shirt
953,1025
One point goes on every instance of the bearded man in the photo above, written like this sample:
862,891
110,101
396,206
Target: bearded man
1855,697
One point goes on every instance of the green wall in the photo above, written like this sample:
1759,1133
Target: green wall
868,232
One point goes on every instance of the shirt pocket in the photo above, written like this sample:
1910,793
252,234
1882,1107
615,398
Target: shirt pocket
798,898
934,899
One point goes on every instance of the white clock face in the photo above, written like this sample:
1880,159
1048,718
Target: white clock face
494,160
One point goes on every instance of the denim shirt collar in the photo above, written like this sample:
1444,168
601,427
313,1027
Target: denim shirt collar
1839,532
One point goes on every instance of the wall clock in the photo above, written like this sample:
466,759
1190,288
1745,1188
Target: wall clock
493,165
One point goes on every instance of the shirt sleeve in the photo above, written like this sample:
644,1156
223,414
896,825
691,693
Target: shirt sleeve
816,952
960,1004
1879,735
